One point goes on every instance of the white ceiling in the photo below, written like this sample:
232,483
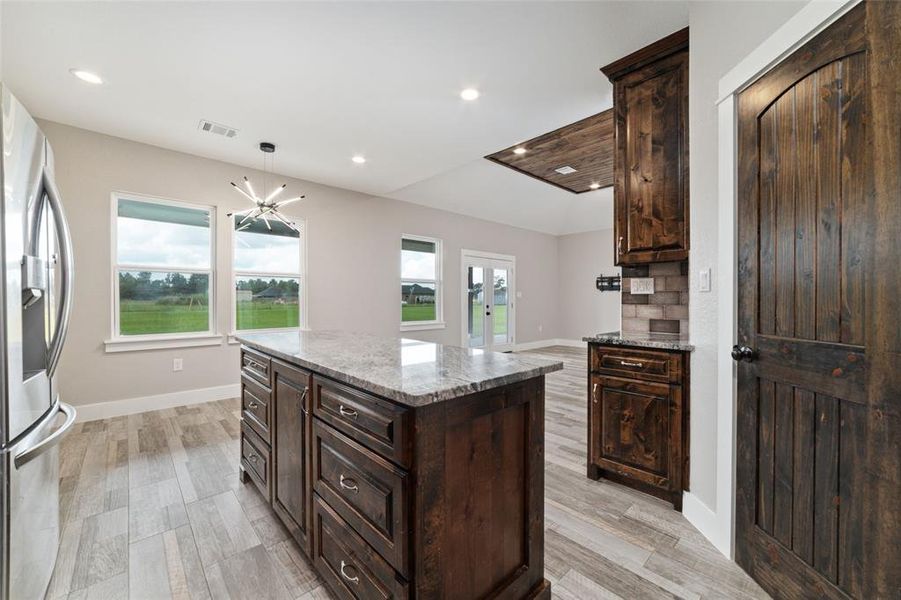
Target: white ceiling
325,81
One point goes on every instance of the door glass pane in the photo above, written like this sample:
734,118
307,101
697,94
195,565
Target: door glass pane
475,307
155,302
499,308
267,303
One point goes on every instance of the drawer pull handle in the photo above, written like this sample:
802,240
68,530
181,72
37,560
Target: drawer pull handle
255,365
303,400
626,363
252,458
354,579
252,404
347,412
349,484
594,393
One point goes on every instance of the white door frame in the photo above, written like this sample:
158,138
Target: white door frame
488,260
718,523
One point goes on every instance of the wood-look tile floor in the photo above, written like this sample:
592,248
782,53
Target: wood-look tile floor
152,508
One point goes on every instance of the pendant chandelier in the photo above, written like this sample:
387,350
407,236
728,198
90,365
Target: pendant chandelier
265,206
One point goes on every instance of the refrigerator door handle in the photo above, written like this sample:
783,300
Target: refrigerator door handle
68,273
32,452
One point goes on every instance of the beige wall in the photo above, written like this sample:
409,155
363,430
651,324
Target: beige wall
353,261
722,34
583,309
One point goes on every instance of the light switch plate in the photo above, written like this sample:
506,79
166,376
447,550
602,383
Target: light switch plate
641,285
704,280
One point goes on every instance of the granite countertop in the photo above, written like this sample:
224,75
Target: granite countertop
663,341
407,371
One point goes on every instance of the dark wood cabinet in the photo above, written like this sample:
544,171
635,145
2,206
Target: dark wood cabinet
291,443
650,105
638,419
389,500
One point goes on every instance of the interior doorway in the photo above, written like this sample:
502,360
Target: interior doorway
488,292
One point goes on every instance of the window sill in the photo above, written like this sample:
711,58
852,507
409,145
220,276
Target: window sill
422,326
138,343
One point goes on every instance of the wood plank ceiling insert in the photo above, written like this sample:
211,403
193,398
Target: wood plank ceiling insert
586,146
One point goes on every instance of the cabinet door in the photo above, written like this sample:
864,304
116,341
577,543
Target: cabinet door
651,162
291,431
636,430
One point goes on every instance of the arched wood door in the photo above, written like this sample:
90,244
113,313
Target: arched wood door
819,377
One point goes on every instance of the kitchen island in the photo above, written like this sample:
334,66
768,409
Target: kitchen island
402,468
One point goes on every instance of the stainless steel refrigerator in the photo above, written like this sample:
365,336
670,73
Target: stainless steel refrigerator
35,303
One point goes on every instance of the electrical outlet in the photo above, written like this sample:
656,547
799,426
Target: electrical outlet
540,328
519,294
704,280
641,285
177,364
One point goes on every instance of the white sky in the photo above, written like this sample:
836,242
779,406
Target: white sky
148,243
143,242
417,265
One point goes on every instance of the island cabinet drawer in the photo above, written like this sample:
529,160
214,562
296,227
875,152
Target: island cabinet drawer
255,459
351,568
648,365
256,365
369,493
374,422
255,403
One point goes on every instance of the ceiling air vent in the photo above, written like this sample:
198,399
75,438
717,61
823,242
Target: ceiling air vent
217,129
565,170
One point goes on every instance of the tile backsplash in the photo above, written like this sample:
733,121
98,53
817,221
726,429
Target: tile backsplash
664,311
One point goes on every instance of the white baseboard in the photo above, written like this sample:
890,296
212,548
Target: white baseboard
131,406
708,523
547,343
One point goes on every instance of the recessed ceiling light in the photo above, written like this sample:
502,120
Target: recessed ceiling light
87,76
595,186
469,94
359,159
519,150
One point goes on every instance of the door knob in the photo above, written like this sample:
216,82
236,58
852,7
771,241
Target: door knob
744,353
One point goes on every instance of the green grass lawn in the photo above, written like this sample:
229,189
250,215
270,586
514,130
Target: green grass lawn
417,312
142,317
259,315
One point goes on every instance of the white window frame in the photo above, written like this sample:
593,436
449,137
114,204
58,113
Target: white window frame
152,341
438,322
301,275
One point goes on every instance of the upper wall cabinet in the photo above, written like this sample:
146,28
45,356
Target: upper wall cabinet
650,105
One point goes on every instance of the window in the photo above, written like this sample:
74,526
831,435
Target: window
420,285
268,267
163,275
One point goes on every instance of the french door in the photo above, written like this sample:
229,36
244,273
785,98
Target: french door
488,307
819,373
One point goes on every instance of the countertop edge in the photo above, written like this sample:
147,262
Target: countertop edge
412,400
613,340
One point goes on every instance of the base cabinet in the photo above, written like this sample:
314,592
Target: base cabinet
291,434
638,425
396,501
